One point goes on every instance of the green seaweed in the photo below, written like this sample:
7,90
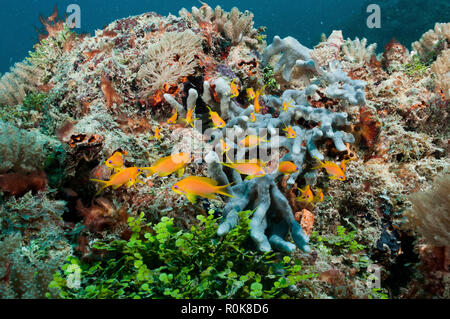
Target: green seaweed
161,261
269,79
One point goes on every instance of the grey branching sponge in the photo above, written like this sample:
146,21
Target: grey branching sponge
430,214
293,54
341,86
22,151
273,218
15,84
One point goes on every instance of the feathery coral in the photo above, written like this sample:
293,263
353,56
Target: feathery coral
441,67
430,214
169,59
23,151
21,79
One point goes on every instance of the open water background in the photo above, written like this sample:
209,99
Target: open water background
305,20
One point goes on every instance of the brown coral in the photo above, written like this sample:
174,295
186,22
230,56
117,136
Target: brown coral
370,126
19,184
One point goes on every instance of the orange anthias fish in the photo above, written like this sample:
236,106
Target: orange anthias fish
126,176
224,146
286,105
216,119
234,89
189,117
170,164
335,171
247,168
173,118
256,105
258,93
193,186
251,94
252,141
318,197
157,133
290,132
306,196
115,161
287,168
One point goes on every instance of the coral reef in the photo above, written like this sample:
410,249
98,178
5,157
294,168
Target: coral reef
362,134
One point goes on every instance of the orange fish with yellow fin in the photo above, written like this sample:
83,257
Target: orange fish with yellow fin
126,176
335,171
170,164
193,186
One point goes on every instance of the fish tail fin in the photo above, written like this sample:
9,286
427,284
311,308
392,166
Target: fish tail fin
321,164
103,183
226,164
221,190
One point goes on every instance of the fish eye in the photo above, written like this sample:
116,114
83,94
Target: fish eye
176,187
110,162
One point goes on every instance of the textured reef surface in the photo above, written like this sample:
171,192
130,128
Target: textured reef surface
304,172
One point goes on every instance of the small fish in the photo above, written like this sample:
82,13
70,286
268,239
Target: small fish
251,94
216,119
306,195
170,164
247,168
193,186
225,147
173,118
286,105
234,89
252,141
290,132
157,133
252,117
335,171
318,196
115,161
256,104
287,168
126,176
189,117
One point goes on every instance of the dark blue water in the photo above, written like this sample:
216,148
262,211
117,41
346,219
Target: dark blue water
306,20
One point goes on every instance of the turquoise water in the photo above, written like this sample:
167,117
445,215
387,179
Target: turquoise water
406,20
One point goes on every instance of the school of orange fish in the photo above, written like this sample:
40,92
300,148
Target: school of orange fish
196,186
